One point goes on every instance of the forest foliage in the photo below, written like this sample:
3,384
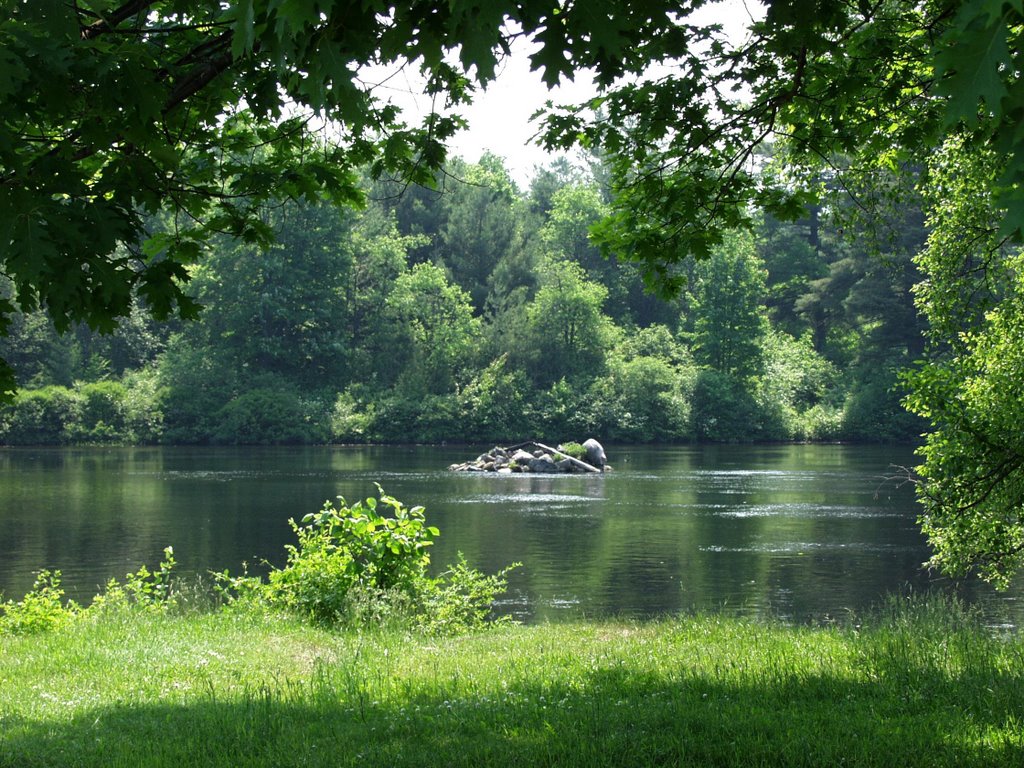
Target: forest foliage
389,325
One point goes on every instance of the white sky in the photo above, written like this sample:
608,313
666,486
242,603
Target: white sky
499,118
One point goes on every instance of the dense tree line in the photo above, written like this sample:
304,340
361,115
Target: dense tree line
477,311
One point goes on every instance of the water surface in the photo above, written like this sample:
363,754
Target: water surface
796,531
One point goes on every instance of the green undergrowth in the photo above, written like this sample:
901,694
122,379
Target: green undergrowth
360,565
921,684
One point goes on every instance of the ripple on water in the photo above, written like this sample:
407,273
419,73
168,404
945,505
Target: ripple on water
523,498
801,547
217,476
809,510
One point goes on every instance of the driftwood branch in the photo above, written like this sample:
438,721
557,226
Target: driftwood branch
576,462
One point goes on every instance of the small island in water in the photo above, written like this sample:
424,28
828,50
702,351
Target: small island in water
586,457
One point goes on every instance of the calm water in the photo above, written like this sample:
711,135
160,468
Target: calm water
801,532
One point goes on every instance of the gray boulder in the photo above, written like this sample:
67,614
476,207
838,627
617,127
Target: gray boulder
543,463
595,453
522,457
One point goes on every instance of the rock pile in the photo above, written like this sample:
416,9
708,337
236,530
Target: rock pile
542,459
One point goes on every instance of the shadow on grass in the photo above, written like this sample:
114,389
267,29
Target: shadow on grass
606,718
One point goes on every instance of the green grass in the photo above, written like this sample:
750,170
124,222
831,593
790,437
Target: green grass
922,686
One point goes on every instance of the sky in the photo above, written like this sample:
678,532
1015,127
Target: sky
499,118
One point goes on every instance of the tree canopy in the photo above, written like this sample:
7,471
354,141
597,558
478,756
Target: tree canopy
133,131
112,112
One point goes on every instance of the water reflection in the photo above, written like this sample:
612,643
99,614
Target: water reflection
801,532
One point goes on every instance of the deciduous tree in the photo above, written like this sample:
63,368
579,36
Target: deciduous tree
970,385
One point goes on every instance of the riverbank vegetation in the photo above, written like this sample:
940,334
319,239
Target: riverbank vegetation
350,566
918,684
483,312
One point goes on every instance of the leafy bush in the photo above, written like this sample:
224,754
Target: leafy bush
573,449
344,549
194,384
351,565
437,420
148,590
820,423
494,405
564,410
654,341
96,412
101,416
401,418
351,419
643,399
144,418
268,416
41,417
395,419
42,609
794,373
461,599
874,409
724,410
354,565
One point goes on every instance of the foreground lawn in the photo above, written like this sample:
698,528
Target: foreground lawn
919,689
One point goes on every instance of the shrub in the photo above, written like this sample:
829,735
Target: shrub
564,410
41,417
724,410
402,418
821,423
351,419
357,566
494,405
643,399
42,609
144,418
573,449
344,549
395,419
437,420
148,590
268,416
101,416
461,600
874,409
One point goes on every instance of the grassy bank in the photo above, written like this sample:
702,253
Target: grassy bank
921,687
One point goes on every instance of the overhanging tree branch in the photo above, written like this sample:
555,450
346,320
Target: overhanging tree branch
113,20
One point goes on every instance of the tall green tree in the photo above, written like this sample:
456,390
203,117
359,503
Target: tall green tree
281,310
793,260
436,334
113,110
480,225
574,210
566,332
547,180
730,321
969,387
879,84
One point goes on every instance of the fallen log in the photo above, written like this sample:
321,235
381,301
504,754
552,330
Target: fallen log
576,462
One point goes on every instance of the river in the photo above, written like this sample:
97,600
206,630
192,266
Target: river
798,532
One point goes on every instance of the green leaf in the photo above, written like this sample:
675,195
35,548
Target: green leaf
243,36
972,66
